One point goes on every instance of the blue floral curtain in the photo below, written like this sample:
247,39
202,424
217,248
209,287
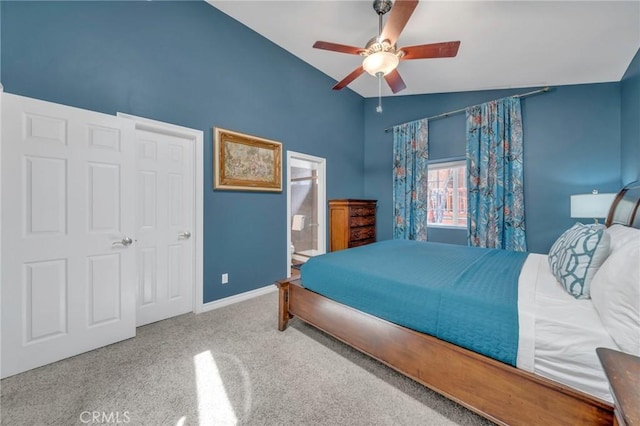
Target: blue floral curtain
495,175
410,155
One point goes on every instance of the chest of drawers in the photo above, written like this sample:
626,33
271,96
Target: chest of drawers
352,223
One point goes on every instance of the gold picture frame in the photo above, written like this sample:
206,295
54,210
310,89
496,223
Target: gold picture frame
246,163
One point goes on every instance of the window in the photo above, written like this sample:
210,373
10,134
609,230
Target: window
447,194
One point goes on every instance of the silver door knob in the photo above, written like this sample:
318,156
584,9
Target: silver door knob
126,241
184,235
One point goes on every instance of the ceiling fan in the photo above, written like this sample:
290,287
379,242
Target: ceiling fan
381,56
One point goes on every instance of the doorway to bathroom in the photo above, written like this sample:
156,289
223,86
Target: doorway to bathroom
306,208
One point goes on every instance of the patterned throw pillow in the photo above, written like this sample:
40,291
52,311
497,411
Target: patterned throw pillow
576,256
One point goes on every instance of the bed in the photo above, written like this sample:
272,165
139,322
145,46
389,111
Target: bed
492,388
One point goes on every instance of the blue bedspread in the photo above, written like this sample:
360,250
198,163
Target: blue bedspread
465,295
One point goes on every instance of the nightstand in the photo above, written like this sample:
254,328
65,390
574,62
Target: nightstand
623,372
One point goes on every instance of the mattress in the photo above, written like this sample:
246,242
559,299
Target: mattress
563,332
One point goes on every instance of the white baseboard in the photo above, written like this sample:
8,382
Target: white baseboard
299,258
238,298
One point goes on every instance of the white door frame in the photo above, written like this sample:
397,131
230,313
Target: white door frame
322,202
1,96
196,136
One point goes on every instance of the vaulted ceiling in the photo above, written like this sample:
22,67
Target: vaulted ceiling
504,44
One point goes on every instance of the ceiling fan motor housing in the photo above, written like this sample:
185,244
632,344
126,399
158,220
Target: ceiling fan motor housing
374,46
382,6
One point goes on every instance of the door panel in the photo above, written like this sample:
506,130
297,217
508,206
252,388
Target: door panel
147,267
104,197
147,199
46,202
66,288
165,212
45,129
104,288
175,199
46,290
176,263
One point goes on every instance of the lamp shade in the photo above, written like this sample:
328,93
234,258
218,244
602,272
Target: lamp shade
380,62
591,205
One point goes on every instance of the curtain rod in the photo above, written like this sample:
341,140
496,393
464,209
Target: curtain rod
447,114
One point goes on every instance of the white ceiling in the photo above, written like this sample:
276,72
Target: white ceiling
504,44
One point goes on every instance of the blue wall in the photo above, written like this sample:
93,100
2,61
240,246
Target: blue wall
189,64
630,121
572,145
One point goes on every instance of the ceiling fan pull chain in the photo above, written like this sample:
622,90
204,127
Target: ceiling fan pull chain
379,107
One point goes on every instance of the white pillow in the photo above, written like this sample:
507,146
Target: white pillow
620,235
576,256
615,293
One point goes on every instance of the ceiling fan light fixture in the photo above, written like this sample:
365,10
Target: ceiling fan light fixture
380,63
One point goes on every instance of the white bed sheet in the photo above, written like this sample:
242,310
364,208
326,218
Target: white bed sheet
558,333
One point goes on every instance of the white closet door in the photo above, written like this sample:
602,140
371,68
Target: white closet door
68,256
164,224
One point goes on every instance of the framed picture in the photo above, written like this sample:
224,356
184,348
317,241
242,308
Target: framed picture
246,163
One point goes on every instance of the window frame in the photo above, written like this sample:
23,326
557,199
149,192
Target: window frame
449,164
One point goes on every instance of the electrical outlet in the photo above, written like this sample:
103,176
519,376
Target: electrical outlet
225,278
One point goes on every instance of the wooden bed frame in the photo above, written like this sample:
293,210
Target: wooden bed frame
496,391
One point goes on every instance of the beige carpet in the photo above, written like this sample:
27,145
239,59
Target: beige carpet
230,366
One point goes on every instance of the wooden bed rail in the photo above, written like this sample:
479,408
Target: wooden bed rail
496,391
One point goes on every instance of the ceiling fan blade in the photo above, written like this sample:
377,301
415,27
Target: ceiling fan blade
335,47
348,79
394,81
398,18
447,49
